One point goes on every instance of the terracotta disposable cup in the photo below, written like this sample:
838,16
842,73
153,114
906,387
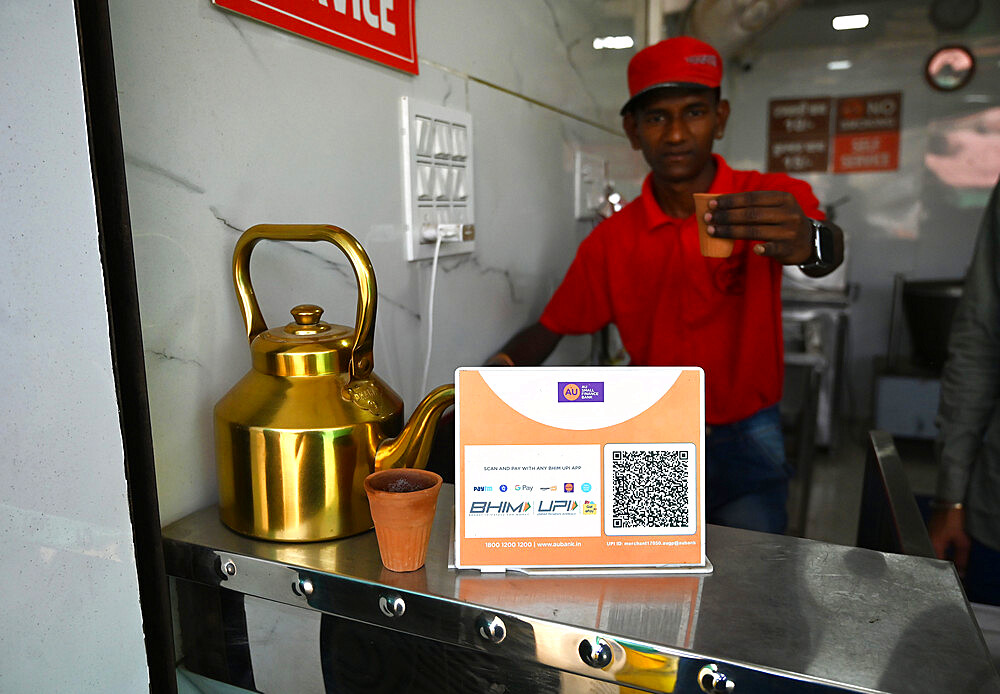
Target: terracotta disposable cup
403,502
711,247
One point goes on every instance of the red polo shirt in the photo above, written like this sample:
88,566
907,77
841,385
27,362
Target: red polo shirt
643,271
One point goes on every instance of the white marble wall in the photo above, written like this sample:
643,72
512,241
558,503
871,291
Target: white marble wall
70,620
229,123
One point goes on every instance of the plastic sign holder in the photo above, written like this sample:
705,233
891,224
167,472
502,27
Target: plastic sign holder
582,469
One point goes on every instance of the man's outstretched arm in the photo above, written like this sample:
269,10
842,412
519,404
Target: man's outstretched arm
529,347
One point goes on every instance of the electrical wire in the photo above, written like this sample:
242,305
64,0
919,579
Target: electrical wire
430,313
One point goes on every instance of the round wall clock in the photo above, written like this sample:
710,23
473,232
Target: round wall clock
950,68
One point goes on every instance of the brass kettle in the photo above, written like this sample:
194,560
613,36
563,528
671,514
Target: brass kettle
297,435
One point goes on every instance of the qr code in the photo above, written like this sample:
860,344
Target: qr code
650,488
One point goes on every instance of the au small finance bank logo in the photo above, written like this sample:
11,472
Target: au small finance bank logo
579,391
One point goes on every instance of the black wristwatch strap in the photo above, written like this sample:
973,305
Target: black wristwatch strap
823,252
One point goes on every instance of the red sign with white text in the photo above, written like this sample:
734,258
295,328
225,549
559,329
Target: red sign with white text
866,133
866,152
379,30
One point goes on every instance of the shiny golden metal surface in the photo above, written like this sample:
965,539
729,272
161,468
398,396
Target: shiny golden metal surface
297,435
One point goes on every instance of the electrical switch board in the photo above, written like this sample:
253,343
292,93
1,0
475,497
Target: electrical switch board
437,179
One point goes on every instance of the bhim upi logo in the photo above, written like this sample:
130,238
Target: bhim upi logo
571,391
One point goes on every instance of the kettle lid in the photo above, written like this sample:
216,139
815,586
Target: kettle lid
305,347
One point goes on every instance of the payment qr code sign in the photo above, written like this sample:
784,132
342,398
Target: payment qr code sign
650,489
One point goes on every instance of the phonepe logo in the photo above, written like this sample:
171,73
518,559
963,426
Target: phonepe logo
592,391
498,508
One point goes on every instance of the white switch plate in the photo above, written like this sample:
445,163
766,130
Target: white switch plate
589,181
437,177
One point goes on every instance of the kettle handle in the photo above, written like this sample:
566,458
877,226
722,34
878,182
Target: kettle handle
364,331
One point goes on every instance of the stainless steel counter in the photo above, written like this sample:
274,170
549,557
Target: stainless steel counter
777,614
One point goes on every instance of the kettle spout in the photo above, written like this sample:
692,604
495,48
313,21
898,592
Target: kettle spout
413,445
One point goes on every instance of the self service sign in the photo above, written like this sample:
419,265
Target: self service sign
579,468
380,30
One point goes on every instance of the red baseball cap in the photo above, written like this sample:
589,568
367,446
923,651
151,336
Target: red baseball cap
678,62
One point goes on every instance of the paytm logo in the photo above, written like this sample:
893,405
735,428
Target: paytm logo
482,489
591,391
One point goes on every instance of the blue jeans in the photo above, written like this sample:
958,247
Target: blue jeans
746,476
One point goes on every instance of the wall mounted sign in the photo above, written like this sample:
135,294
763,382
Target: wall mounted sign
798,135
380,30
866,133
950,68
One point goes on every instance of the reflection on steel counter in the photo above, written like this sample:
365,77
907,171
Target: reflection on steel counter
778,615
358,657
262,645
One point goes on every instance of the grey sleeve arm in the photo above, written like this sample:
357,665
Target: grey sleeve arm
970,384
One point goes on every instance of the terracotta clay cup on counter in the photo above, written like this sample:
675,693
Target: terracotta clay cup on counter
711,247
403,501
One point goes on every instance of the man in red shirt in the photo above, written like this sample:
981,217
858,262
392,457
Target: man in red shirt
642,269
